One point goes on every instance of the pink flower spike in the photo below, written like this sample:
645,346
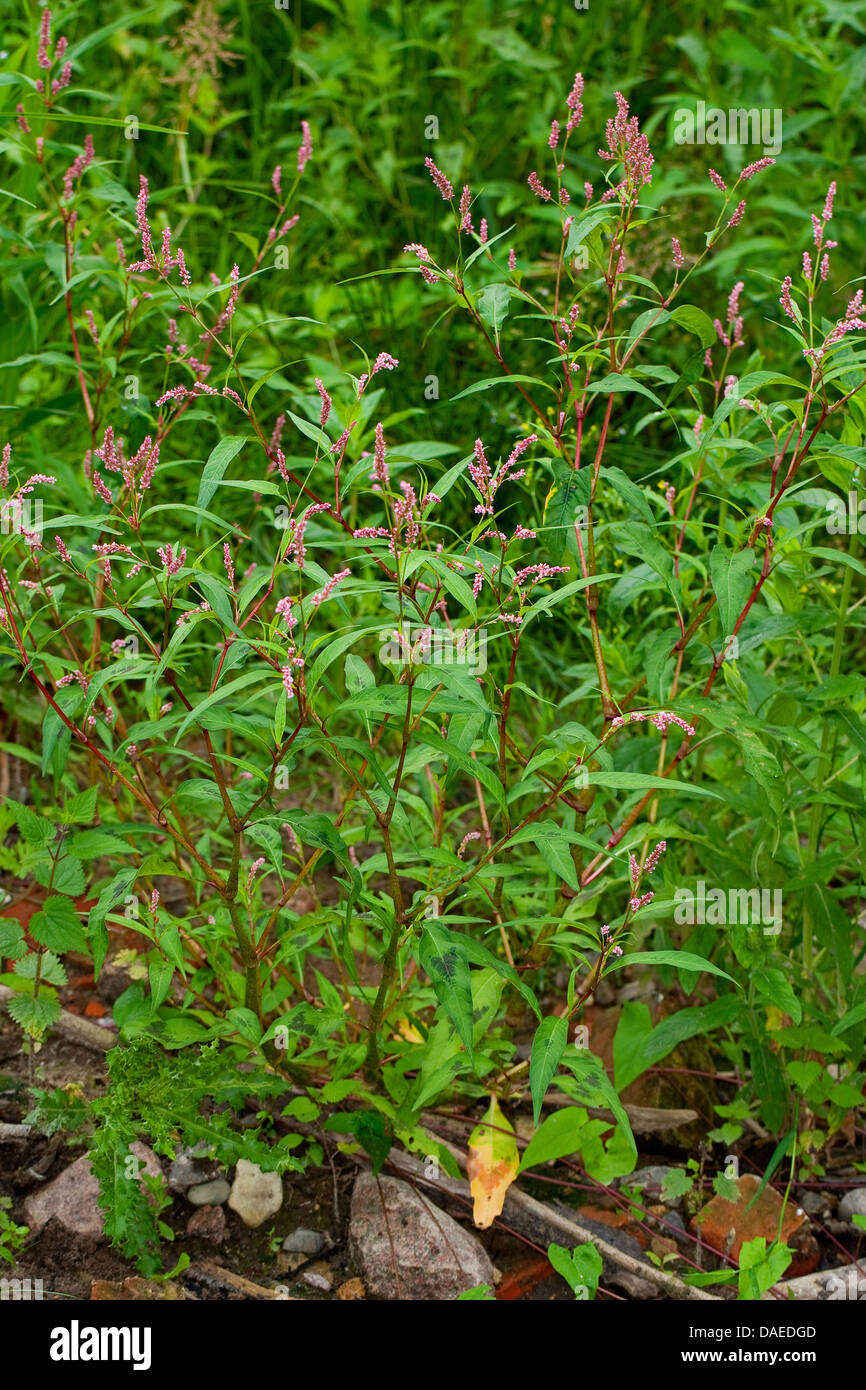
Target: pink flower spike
755,168
329,588
656,855
276,178
463,209
306,147
553,138
473,835
326,403
380,467
535,184
718,181
42,57
253,871
574,104
828,204
738,214
442,183
677,253
512,260
229,564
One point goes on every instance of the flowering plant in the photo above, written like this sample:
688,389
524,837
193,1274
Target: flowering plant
406,730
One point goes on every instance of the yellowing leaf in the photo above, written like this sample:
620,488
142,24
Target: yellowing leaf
492,1165
408,1031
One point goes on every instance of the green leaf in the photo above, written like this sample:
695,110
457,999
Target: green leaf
729,575
442,956
493,304
58,926
92,844
643,781
772,983
214,470
35,1015
581,1267
694,320
561,1134
371,1129
548,1045
683,960
513,380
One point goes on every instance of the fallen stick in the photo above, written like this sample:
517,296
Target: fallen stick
71,1027
16,1132
211,1273
544,1224
644,1119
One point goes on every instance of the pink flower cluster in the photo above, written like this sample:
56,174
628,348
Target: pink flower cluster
46,61
626,145
661,720
487,482
148,256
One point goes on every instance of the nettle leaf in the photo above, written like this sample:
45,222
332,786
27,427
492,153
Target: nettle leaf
35,829
48,967
93,844
12,943
64,876
58,926
35,1014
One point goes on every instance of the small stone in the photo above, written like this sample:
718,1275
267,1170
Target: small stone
255,1195
815,1204
207,1223
651,1177
190,1167
726,1226
289,1263
353,1288
406,1248
853,1204
72,1198
304,1242
208,1194
319,1277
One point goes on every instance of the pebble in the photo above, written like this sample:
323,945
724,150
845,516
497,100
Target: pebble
853,1204
304,1242
208,1194
255,1195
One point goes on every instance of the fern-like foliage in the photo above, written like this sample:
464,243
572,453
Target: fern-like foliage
171,1100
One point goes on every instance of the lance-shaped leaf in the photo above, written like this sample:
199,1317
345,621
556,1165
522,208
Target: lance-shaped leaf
442,955
492,1165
